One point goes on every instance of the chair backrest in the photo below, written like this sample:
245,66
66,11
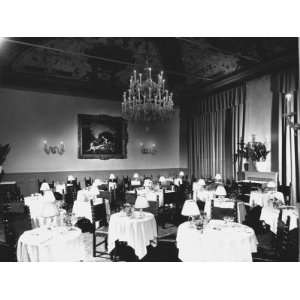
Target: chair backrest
282,236
88,181
170,197
153,206
130,198
220,212
286,191
99,213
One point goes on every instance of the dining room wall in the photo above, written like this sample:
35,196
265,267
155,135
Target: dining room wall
28,118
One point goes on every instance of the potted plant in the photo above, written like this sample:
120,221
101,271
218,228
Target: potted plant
253,152
4,149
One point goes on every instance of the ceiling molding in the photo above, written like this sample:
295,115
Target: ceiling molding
244,75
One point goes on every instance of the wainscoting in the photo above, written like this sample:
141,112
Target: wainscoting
28,182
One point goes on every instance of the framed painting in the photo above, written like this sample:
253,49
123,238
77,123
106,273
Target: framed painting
102,137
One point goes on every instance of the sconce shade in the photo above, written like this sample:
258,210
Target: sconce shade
190,208
218,177
141,202
50,210
45,187
112,176
271,185
220,191
181,173
201,182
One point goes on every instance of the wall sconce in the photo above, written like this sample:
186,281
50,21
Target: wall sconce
289,113
59,149
148,150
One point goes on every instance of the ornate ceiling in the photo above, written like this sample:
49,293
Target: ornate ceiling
102,66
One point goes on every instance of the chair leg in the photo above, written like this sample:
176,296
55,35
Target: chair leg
106,244
94,245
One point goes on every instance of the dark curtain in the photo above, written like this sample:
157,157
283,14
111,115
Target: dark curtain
215,126
286,146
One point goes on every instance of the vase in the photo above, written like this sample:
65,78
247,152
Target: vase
252,166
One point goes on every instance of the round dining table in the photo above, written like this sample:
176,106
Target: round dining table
137,231
51,244
218,241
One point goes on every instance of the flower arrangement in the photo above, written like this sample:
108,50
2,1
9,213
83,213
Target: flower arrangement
255,151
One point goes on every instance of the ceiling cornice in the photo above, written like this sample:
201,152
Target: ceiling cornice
245,75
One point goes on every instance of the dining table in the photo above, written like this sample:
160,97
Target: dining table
137,230
53,244
217,241
270,215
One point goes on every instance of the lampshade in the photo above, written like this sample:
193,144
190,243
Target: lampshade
49,196
162,179
45,187
190,208
141,202
201,182
181,173
97,182
71,178
218,177
112,176
177,181
271,185
49,210
135,176
220,191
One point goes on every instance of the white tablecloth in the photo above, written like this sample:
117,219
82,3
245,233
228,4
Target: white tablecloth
138,233
83,208
264,199
217,242
57,244
270,216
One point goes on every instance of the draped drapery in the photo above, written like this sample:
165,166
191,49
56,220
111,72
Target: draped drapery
283,83
215,126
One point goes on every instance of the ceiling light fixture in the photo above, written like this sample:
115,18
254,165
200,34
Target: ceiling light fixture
147,100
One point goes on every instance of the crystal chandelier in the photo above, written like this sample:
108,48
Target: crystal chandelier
147,100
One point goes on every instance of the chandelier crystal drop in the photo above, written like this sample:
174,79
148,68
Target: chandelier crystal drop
147,100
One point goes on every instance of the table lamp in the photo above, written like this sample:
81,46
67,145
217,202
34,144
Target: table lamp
112,177
181,174
49,196
135,176
201,182
162,179
44,187
220,191
49,211
218,177
70,178
140,203
190,209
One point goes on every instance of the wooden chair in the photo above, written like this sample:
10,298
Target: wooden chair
88,181
286,191
111,196
130,198
153,207
219,213
100,227
282,237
